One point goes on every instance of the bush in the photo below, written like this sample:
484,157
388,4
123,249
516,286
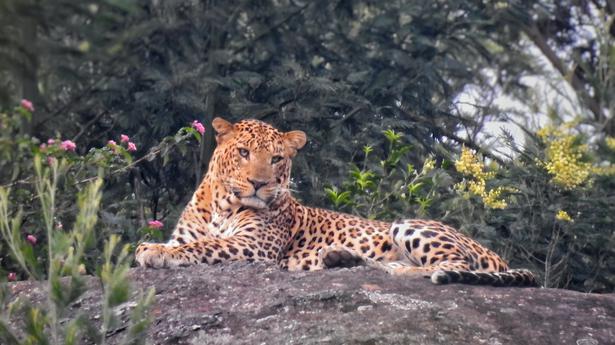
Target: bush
66,250
36,207
545,210
74,167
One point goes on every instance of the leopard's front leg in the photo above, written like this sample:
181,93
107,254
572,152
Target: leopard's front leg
241,247
206,250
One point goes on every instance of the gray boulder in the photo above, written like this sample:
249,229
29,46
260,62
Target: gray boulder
245,303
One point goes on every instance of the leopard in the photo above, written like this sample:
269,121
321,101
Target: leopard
243,210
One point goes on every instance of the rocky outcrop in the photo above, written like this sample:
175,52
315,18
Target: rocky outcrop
258,304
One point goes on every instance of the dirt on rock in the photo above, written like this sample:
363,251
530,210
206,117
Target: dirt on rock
245,303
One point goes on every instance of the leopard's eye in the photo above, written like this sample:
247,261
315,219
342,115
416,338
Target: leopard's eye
276,159
244,153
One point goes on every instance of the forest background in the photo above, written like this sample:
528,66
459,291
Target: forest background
496,117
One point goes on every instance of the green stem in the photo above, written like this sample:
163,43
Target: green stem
46,190
7,233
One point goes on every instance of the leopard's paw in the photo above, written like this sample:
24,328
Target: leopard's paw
334,256
151,255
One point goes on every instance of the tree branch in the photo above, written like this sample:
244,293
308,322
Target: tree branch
577,85
271,28
88,125
459,140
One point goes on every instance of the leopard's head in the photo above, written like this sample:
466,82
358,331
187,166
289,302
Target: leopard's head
252,160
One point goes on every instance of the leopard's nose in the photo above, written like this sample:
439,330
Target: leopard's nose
257,183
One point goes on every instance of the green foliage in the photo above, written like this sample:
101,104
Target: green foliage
389,186
66,254
10,228
50,173
342,71
587,67
114,276
338,198
62,257
530,230
571,253
357,68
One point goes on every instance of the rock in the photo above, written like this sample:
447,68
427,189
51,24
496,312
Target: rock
245,303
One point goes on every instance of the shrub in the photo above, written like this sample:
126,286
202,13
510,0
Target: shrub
40,180
46,325
546,209
122,213
389,186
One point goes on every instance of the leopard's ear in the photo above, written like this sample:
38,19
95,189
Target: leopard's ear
223,128
294,141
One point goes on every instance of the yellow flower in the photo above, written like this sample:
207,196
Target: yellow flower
477,187
501,5
564,157
460,186
470,166
563,216
610,143
492,199
544,132
608,170
428,165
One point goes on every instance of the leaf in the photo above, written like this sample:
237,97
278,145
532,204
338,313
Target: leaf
415,188
6,335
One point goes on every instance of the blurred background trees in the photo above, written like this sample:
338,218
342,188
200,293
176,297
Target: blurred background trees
439,73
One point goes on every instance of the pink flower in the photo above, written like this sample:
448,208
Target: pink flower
50,141
12,276
68,145
124,138
32,239
155,224
132,147
50,160
113,145
27,105
43,147
198,126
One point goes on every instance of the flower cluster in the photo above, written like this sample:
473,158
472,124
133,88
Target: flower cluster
64,145
31,239
124,139
68,145
610,143
606,170
492,198
564,157
198,126
155,224
469,165
428,165
563,216
26,104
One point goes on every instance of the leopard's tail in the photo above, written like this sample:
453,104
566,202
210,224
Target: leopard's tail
517,277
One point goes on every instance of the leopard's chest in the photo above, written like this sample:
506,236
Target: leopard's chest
223,225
